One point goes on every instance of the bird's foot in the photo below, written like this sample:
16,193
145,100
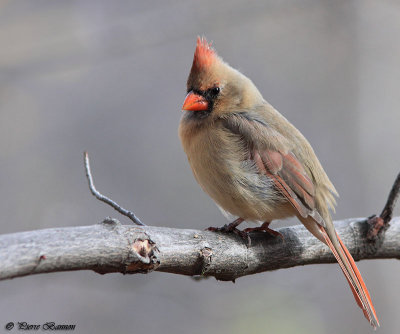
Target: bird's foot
264,227
231,228
227,229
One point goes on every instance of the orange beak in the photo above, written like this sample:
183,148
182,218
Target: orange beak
195,102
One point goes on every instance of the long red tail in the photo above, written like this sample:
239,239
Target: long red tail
353,276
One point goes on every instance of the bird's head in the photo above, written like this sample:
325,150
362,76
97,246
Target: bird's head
214,88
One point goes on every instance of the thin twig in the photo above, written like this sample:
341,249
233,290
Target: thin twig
105,199
381,223
387,211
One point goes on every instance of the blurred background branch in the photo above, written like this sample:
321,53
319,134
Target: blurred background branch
112,247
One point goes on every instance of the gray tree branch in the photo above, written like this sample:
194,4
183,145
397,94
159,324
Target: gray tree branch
112,247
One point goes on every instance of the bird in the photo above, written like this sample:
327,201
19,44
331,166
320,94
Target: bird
254,163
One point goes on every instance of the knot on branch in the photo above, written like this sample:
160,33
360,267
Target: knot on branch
205,259
110,223
376,225
379,224
142,256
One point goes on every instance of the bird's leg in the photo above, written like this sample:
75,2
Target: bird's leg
232,227
264,227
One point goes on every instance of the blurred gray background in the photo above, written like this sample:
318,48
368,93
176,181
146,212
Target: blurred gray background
109,77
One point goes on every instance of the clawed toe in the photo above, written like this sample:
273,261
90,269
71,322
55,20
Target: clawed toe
224,229
228,229
214,229
244,235
232,228
264,228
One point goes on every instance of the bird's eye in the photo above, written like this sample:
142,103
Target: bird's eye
215,91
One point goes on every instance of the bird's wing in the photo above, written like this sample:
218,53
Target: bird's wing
273,157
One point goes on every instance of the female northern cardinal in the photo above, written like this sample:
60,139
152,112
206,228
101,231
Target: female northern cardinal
254,163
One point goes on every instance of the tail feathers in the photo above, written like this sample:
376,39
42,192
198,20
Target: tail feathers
353,277
369,312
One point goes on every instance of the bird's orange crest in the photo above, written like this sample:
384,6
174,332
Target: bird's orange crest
204,55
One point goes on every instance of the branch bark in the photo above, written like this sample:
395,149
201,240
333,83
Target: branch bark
112,247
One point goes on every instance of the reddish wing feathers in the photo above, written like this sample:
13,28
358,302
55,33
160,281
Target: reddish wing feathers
280,184
284,169
273,161
293,167
296,178
289,177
